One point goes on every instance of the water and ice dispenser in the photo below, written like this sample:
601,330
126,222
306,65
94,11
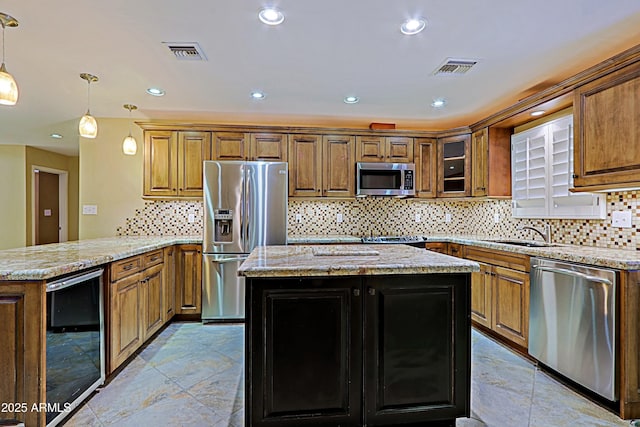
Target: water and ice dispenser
223,225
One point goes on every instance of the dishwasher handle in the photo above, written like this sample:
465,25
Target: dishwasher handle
575,273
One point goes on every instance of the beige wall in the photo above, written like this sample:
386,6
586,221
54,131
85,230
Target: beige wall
12,197
109,179
47,159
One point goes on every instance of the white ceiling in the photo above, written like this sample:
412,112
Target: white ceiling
324,51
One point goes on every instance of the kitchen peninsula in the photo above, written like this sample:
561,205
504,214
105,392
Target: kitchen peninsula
356,335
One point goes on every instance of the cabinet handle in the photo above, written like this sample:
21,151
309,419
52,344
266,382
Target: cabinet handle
356,292
127,267
574,176
372,291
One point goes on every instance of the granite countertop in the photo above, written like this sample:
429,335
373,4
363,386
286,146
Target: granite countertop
621,259
47,261
349,260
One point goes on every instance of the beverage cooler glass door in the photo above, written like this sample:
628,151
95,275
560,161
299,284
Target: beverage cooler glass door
265,209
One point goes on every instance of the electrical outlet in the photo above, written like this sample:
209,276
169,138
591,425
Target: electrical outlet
339,217
298,218
447,217
621,219
418,217
191,218
496,218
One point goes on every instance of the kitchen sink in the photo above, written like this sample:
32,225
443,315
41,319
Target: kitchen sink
524,243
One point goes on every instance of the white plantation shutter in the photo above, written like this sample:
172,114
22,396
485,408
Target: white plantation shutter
542,174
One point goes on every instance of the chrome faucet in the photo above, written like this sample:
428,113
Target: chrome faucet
546,235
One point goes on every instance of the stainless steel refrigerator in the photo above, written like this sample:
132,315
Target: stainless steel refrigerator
245,205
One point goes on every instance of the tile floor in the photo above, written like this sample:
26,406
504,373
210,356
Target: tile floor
192,375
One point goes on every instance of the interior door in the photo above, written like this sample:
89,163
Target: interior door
48,208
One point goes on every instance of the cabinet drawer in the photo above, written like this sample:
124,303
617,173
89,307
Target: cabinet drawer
153,258
503,259
126,267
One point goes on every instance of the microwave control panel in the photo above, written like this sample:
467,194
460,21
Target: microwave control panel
408,180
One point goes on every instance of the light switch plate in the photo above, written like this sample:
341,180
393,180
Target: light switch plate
191,218
621,219
418,217
89,209
447,217
339,217
496,218
298,218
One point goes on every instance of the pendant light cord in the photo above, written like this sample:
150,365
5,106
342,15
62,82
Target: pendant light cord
2,42
89,97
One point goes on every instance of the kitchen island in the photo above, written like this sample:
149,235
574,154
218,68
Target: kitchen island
356,335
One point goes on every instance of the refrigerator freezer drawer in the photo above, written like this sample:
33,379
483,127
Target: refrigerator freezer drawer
222,288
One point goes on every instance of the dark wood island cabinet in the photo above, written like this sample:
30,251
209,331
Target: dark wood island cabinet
369,336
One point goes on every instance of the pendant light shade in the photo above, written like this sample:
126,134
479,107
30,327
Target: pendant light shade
8,85
88,126
129,145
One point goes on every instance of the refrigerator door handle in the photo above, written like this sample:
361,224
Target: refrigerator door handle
249,178
229,259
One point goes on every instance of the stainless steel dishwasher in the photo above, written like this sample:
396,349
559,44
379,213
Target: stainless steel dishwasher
572,323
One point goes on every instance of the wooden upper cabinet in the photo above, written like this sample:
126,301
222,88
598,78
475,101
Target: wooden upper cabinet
338,159
268,146
396,149
425,150
370,149
230,146
305,174
193,149
607,131
399,149
173,162
454,166
491,162
480,171
160,163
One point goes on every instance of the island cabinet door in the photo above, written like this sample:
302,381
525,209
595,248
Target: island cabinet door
416,349
303,347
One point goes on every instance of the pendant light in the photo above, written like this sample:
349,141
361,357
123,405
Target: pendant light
8,85
129,145
88,126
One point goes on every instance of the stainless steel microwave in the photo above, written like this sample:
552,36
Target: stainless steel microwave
385,179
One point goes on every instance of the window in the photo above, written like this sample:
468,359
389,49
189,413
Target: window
542,175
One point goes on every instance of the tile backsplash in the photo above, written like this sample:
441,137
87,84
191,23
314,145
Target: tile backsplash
389,216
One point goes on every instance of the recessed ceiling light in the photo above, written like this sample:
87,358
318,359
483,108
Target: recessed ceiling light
155,91
413,26
438,103
537,113
56,136
271,16
351,99
258,95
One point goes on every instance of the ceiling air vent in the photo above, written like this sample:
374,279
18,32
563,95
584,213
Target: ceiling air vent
454,67
186,51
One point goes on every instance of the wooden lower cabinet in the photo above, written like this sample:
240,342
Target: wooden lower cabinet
355,351
481,295
189,279
169,283
500,293
136,304
22,354
152,297
511,305
126,319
